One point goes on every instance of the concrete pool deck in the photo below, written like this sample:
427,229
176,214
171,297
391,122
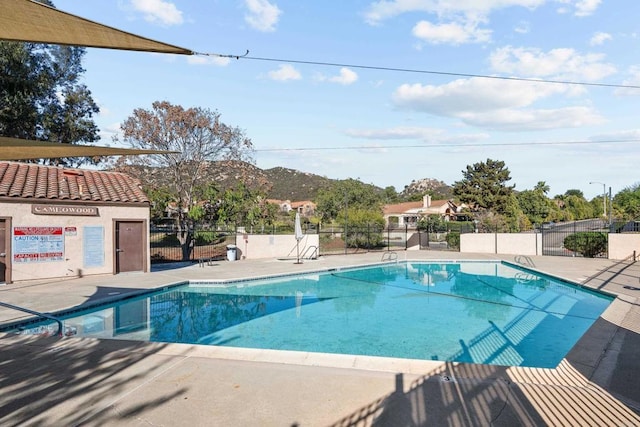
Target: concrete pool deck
81,381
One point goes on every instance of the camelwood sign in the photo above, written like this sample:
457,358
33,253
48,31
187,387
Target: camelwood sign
64,210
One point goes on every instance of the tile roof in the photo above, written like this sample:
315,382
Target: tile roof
399,208
38,182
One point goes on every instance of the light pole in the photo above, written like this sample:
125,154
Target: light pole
604,196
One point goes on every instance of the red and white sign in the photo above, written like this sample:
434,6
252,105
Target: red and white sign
38,244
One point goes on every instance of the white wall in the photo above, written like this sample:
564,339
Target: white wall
502,243
73,263
483,243
622,246
274,246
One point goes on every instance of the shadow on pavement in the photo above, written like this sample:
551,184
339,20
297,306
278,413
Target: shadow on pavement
50,381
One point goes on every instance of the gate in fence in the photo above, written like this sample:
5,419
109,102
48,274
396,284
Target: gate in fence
586,238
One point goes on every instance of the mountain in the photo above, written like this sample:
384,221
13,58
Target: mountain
278,183
438,189
290,184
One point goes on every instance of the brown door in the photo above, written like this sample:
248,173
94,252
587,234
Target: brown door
129,246
3,251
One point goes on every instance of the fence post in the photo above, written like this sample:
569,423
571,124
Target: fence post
406,239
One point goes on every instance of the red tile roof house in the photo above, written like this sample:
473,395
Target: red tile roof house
306,207
409,213
57,223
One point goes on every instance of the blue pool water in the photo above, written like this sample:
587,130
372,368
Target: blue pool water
475,312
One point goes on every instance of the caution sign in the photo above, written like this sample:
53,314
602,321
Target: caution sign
38,244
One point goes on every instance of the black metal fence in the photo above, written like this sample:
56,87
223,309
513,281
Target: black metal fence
207,241
586,238
169,244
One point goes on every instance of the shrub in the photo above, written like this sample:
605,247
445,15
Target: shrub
587,243
204,238
453,239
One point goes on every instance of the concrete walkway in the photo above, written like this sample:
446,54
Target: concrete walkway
82,381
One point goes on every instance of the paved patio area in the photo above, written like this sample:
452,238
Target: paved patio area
81,381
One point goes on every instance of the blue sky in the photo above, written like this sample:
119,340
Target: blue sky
389,127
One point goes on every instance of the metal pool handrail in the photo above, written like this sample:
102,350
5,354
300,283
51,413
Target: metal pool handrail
314,253
389,256
37,313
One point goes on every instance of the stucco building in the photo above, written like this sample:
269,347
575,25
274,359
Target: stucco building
409,213
57,222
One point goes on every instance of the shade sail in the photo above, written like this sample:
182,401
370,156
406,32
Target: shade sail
21,149
30,21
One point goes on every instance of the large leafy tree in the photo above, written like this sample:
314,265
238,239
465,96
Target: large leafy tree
196,136
573,206
534,203
41,97
484,188
334,201
627,202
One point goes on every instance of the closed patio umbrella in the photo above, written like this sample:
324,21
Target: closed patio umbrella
298,235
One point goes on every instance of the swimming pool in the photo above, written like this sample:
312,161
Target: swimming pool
474,312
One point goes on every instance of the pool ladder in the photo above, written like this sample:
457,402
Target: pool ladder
389,256
37,313
314,253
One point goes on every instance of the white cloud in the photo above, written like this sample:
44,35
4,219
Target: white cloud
497,104
450,33
208,60
396,133
632,80
517,120
284,73
382,10
579,7
262,16
158,11
346,77
586,7
599,38
470,95
561,63
425,134
622,135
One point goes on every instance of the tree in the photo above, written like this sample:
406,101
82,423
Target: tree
160,198
573,206
243,206
41,97
627,202
196,136
483,186
390,195
534,203
364,228
347,194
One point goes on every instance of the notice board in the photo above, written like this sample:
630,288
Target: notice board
93,246
38,244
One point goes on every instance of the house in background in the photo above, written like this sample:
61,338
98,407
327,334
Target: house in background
409,213
284,205
306,207
57,222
